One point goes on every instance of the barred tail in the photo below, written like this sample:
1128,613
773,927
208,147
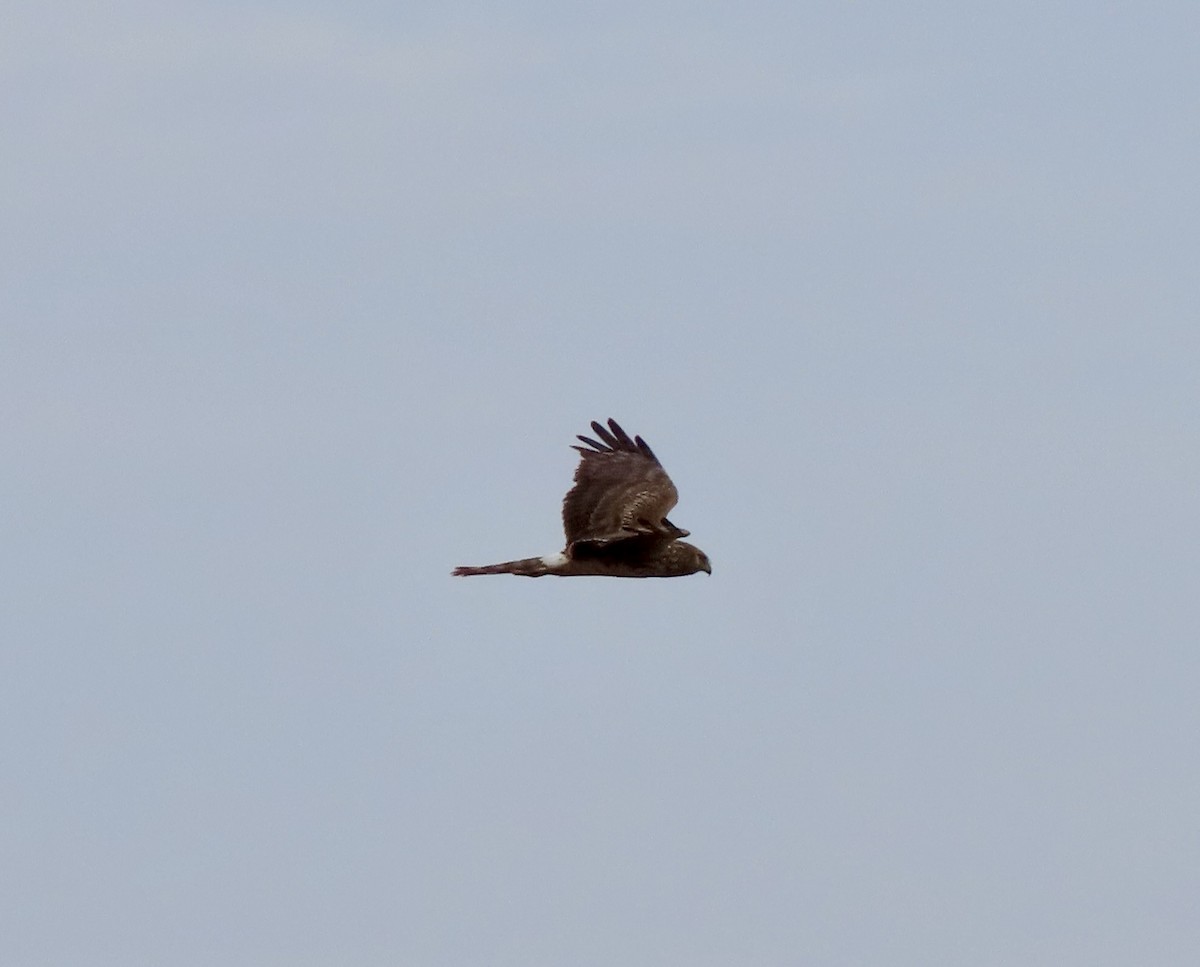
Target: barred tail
530,567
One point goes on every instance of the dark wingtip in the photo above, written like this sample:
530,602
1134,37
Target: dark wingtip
621,436
613,438
645,448
612,442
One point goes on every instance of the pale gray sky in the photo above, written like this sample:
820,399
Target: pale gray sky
302,305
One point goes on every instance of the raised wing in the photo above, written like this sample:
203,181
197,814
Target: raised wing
621,491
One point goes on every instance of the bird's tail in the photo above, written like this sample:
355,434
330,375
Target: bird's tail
530,567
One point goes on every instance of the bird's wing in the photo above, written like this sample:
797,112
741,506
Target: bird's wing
621,491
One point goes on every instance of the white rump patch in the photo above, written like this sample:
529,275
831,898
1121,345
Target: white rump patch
554,560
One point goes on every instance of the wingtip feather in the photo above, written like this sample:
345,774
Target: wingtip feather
602,432
621,436
613,439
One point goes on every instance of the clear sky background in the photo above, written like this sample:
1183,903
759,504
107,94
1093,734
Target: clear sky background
301,305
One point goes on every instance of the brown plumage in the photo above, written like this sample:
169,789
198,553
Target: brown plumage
615,517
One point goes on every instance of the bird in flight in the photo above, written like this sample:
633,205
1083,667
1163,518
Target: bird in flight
615,518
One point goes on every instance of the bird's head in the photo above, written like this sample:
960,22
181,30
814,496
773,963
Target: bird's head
689,559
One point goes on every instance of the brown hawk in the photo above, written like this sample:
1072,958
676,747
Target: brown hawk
615,518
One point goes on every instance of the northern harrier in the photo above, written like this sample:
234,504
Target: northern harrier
615,518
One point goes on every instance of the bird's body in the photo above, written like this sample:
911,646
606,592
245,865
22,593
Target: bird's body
614,517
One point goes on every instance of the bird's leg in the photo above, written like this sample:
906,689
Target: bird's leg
673,530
